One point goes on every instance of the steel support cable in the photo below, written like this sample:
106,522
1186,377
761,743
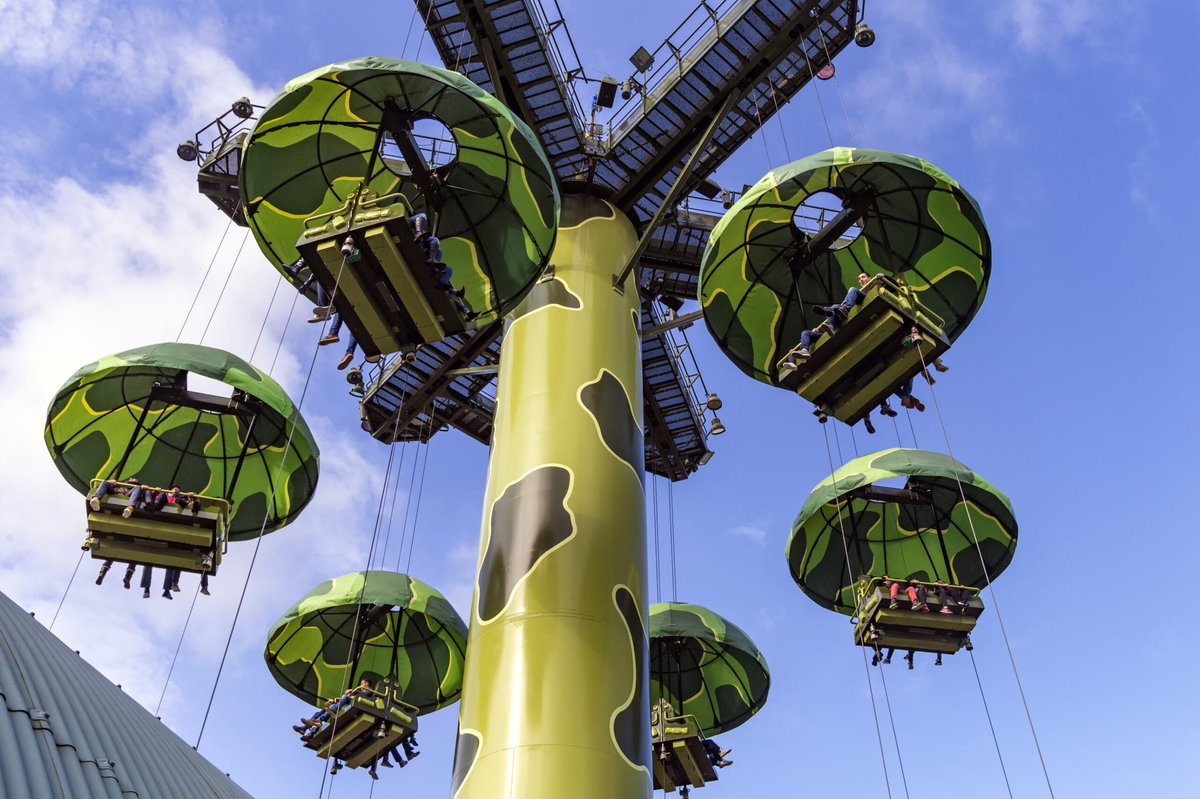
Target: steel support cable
358,616
392,510
891,718
762,129
657,549
838,88
671,518
813,80
225,285
782,133
991,726
68,589
274,484
988,577
178,647
412,539
203,280
266,317
412,482
866,669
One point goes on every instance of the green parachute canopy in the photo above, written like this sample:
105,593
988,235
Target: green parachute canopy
920,226
922,531
316,141
371,625
705,667
132,415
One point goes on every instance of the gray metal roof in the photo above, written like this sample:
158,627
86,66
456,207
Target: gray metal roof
66,731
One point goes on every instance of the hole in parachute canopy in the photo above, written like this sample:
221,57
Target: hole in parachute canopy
200,384
817,211
434,140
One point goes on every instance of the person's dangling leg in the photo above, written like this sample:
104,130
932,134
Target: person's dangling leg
348,358
147,572
104,567
331,335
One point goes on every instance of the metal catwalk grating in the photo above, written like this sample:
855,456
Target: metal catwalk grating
764,51
523,55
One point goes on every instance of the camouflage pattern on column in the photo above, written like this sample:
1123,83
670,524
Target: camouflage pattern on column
555,696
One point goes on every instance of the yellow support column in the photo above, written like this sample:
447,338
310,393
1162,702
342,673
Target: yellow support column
555,697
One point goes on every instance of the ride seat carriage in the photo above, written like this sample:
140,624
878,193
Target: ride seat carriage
366,728
678,753
172,537
386,293
873,352
879,626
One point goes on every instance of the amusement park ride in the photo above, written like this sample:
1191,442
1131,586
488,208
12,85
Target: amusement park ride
516,265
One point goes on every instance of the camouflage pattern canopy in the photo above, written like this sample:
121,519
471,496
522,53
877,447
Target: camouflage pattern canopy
104,423
315,142
409,633
705,667
925,535
921,226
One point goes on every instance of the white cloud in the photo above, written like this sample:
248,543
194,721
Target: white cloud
907,101
1047,25
97,269
751,532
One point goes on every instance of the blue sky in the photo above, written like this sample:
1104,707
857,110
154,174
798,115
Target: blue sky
1071,391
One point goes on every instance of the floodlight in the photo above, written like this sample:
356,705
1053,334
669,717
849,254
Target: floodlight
825,72
713,402
864,36
716,428
243,108
188,151
641,59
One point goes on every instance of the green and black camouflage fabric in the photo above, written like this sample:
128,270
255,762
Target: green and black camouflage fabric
899,538
923,227
103,424
313,146
705,666
322,646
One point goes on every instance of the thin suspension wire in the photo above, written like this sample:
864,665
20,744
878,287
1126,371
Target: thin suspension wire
421,39
203,280
816,90
358,616
392,510
274,488
991,586
892,719
225,285
657,550
838,88
782,133
671,517
911,428
762,129
178,646
866,669
68,589
266,316
412,540
991,726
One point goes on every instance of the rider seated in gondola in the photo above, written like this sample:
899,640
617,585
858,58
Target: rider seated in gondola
331,709
431,245
716,755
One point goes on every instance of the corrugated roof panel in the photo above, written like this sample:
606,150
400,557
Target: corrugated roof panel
66,732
